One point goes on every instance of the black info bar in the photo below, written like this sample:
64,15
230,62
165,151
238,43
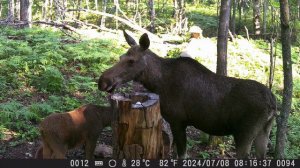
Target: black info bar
78,163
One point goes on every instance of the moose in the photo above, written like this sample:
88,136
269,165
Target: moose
191,94
63,131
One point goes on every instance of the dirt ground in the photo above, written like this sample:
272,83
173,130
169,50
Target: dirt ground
12,148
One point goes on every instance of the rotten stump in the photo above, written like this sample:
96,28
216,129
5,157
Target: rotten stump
137,126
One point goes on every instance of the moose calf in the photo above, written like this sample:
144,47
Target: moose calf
63,131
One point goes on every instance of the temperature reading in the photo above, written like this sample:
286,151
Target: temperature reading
137,163
146,162
163,163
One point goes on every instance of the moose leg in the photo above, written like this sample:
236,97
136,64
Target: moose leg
90,147
243,144
178,131
59,154
59,150
39,153
47,152
261,141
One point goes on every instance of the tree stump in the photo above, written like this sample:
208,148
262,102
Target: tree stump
137,126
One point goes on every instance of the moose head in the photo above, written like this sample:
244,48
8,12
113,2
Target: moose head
130,66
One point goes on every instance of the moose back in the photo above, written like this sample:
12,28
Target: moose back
191,94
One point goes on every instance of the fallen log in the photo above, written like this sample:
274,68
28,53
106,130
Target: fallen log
61,25
126,22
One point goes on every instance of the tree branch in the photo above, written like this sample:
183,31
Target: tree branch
126,22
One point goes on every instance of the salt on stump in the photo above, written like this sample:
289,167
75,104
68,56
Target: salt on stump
137,126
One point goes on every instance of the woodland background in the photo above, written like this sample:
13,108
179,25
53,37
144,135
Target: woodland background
53,51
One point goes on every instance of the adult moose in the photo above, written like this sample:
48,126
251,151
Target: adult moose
190,94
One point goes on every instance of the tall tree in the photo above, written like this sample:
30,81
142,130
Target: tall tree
179,15
78,7
232,18
222,50
50,12
222,37
60,9
45,10
256,17
25,11
1,7
265,4
175,9
298,6
239,16
152,15
288,80
96,5
17,9
116,3
104,4
11,11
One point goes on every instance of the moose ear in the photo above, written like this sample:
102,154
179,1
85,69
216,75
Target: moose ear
129,39
144,41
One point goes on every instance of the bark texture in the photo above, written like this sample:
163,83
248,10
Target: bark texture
137,127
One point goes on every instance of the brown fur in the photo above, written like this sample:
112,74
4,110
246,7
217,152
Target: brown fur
63,131
191,94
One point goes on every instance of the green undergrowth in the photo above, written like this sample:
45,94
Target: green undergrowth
44,71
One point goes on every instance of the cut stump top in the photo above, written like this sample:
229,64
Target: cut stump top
138,100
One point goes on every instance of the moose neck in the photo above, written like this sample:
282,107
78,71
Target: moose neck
104,115
151,77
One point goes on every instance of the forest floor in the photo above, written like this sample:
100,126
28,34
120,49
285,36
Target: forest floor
15,148
12,148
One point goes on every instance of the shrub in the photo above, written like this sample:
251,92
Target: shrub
50,80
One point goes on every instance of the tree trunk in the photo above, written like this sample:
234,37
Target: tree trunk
282,120
116,3
96,5
11,11
179,16
78,7
256,17
26,14
298,9
218,7
17,9
45,10
104,4
222,38
137,127
265,17
222,49
232,19
1,7
152,15
273,26
59,9
175,9
137,15
240,16
51,9
272,62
